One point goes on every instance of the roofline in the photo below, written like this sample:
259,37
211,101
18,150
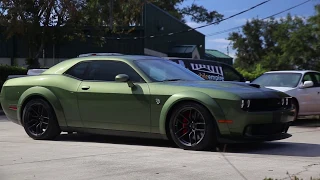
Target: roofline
218,51
60,68
290,71
173,17
183,46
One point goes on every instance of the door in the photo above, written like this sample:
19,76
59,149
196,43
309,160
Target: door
104,103
308,97
73,78
316,77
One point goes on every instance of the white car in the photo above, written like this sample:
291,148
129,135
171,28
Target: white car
303,86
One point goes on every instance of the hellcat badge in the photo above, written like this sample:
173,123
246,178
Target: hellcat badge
158,101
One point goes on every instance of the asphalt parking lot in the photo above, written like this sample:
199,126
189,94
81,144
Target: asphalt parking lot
83,157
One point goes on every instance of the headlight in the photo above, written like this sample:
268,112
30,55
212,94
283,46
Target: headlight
265,104
245,104
286,101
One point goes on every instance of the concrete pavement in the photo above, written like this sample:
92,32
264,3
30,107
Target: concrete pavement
84,157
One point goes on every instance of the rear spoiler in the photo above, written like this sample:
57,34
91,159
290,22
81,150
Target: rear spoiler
100,54
15,76
31,72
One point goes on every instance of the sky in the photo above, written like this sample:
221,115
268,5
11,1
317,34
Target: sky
230,7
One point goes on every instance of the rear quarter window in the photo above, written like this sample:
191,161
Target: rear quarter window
77,71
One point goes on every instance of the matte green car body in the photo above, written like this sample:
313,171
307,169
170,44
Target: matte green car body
144,110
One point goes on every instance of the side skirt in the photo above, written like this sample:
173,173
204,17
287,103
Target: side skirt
115,133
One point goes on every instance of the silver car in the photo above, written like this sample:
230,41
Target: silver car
303,86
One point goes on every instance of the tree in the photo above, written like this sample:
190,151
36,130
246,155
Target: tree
314,22
54,21
286,43
33,20
128,12
109,16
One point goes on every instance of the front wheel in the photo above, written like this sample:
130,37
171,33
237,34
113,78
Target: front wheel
192,127
295,109
39,120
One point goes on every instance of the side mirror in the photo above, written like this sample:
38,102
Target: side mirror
307,84
124,78
247,81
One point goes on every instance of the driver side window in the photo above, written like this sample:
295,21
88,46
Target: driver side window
308,77
317,79
157,74
107,70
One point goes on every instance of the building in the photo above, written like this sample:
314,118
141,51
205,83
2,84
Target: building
155,22
215,55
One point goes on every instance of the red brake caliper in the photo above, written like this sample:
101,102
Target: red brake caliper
185,123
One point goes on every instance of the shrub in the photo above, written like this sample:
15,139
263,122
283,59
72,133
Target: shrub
6,70
251,75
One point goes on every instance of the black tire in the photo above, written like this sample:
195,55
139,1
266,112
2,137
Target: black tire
205,141
295,106
39,120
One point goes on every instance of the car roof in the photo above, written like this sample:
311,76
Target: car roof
66,64
291,71
118,57
99,54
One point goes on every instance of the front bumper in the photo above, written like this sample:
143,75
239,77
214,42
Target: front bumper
258,126
247,138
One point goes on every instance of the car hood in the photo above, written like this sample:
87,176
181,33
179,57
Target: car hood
244,90
282,89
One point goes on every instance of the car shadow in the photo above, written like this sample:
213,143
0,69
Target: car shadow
115,140
266,148
306,123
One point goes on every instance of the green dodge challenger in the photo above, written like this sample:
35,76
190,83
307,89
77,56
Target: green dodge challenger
144,96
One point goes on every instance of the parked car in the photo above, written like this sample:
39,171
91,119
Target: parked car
210,70
144,96
303,86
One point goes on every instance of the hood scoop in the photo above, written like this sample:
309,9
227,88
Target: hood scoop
254,85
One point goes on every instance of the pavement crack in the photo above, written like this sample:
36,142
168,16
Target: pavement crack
57,159
230,163
305,169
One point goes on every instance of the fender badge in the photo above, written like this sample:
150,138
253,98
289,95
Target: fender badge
158,101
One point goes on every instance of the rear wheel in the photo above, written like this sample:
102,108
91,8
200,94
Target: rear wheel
192,127
39,120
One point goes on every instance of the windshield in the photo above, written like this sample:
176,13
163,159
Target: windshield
278,79
165,70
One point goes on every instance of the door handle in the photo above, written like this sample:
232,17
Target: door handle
85,87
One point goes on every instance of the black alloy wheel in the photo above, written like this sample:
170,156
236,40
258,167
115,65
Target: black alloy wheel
39,120
192,127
